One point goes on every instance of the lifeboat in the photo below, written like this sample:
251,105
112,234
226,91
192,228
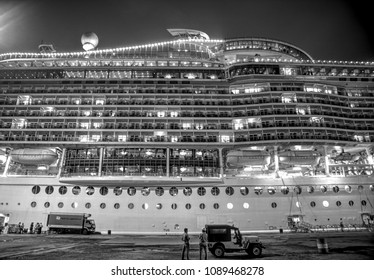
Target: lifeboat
299,158
34,156
240,159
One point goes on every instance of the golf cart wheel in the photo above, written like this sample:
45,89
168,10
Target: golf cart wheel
218,251
255,251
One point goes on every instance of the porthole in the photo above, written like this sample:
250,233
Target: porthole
131,205
33,204
351,203
363,202
173,191
102,205
145,206
90,190
88,205
310,189
215,191
230,205
63,190
360,188
131,191
313,204
174,206
158,206
335,189
187,191
215,205
117,191
103,190
271,190
258,190
201,191
47,204
76,190
298,204
159,191
74,205
35,189
60,205
229,191
245,205
49,190
202,206
145,191
116,205
297,190
325,203
188,206
285,190
273,205
372,188
338,203
348,189
244,190
323,189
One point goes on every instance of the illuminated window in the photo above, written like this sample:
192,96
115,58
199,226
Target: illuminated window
298,204
145,206
244,190
325,203
230,205
245,205
74,205
348,189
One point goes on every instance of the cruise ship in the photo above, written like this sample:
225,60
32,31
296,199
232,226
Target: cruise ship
153,138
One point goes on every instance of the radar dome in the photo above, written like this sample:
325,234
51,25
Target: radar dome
89,41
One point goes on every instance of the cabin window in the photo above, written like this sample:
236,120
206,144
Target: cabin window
173,191
35,189
187,191
33,204
325,203
90,190
323,189
335,189
201,191
74,205
88,205
338,203
351,203
188,206
49,190
47,204
285,190
273,205
145,206
102,205
245,205
229,191
159,191
215,192
297,190
158,206
310,189
271,190
215,205
230,205
76,190
174,206
60,205
202,206
117,191
363,202
145,191
63,190
116,206
258,190
348,189
131,191
313,204
103,190
360,188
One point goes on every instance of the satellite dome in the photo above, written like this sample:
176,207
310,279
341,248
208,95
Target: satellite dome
89,41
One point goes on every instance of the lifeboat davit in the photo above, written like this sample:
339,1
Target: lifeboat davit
34,156
239,159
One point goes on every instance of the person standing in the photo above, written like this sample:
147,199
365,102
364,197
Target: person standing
203,237
186,244
31,227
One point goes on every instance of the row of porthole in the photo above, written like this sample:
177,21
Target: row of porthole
188,206
187,191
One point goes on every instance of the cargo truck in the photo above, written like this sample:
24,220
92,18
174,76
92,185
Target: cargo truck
70,223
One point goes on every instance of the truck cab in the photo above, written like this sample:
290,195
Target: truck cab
226,238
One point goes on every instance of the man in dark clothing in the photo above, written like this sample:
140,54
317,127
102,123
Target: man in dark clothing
203,237
186,244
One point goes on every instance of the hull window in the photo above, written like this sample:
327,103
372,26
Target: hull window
35,189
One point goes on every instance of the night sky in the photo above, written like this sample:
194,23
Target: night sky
326,29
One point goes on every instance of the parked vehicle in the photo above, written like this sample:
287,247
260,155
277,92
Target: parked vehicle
228,239
71,223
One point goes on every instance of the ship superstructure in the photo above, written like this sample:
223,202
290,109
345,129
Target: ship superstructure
157,137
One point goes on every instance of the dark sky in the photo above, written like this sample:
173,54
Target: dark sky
326,29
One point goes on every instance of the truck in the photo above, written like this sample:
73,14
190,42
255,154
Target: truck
70,223
228,239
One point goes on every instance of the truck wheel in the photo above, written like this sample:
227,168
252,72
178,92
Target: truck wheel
254,250
218,251
84,231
